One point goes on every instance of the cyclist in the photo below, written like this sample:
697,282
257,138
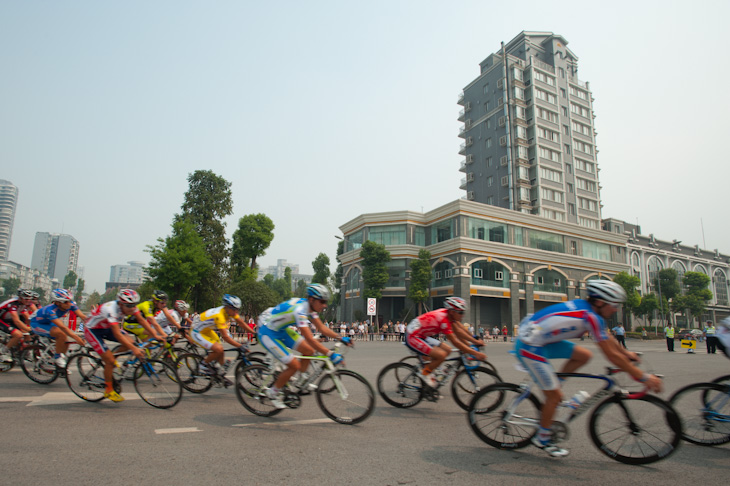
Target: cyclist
723,336
149,326
106,323
204,327
11,321
544,336
422,336
278,337
46,321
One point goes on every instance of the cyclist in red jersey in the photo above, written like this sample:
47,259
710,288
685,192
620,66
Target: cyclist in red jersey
13,318
446,321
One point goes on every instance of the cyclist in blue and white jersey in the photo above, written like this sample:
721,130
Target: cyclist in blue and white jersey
543,336
46,321
277,335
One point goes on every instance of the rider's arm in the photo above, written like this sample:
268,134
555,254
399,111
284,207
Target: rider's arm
18,322
307,334
454,338
125,341
59,324
463,335
617,357
156,328
81,315
145,324
227,338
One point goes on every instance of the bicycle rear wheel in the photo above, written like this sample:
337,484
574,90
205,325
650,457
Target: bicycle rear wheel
504,415
37,367
85,377
189,373
400,385
635,430
345,397
157,384
704,409
251,385
468,383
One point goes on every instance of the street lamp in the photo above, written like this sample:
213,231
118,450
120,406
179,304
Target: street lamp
346,242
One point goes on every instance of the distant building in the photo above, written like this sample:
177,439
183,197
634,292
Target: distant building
29,278
55,255
8,203
130,275
277,271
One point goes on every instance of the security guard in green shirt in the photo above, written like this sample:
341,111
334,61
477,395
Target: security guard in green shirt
669,333
710,338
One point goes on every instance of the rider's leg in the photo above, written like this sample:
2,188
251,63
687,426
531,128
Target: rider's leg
578,358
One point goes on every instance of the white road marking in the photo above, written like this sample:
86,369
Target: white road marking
289,422
17,399
180,430
54,398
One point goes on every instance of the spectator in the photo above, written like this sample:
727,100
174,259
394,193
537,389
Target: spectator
504,333
383,331
495,333
710,334
620,334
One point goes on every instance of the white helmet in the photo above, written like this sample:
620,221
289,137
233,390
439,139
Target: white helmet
607,291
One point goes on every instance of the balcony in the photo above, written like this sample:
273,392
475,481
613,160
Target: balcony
462,132
462,115
463,183
460,101
462,168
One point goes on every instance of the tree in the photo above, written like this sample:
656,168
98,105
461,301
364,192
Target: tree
109,295
69,281
207,201
418,291
321,269
668,282
633,299
649,304
282,286
375,271
80,285
250,241
10,287
697,294
180,261
93,300
337,279
301,290
255,296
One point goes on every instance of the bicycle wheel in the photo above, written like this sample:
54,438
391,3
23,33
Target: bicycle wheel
635,430
38,367
188,372
467,383
723,380
154,385
502,417
400,385
704,409
251,385
85,377
350,398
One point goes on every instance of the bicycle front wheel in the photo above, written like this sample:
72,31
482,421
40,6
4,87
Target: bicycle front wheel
504,415
36,367
157,383
85,377
345,397
468,383
704,409
251,385
189,373
635,430
400,385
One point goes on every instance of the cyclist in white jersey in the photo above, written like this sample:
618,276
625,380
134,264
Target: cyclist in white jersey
276,334
723,336
544,336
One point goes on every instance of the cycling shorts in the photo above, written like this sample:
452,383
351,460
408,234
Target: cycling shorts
136,329
96,337
422,345
205,338
8,328
42,329
535,360
279,343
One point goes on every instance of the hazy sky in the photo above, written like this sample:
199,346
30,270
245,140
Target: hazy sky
318,112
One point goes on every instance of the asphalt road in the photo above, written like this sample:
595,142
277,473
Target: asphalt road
51,437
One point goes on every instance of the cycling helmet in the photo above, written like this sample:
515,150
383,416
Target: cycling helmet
232,301
25,294
128,296
62,295
607,291
318,291
35,295
159,295
182,306
455,304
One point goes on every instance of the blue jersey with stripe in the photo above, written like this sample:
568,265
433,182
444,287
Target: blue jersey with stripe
46,314
563,321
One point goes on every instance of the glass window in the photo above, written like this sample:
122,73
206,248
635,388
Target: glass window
486,230
519,239
419,236
443,230
549,281
396,273
353,279
388,235
439,275
355,240
597,251
542,240
489,274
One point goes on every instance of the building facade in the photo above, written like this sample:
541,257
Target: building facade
8,204
55,255
132,273
505,264
29,278
529,139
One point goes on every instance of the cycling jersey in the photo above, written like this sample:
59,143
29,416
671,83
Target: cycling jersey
6,308
216,318
41,321
105,316
560,322
293,312
147,308
430,324
161,319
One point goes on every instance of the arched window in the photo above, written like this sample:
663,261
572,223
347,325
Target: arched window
654,265
353,279
443,275
680,268
720,282
490,274
701,269
549,281
636,265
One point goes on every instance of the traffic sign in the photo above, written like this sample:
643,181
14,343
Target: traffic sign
371,307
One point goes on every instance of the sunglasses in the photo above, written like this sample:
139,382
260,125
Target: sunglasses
129,306
459,312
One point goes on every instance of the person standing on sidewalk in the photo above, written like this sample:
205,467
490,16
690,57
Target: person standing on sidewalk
620,334
710,335
669,334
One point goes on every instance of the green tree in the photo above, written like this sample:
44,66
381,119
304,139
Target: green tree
668,282
375,271
251,240
697,295
109,295
649,304
180,261
337,279
207,202
80,285
10,287
418,291
94,299
69,281
269,280
255,296
282,286
301,290
633,299
321,269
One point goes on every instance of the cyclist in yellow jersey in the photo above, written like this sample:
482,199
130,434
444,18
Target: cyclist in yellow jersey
149,327
203,331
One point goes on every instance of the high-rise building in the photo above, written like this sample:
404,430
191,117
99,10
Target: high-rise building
529,140
55,255
132,273
8,203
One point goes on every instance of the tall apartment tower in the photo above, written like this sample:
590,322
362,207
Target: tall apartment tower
529,141
55,255
8,203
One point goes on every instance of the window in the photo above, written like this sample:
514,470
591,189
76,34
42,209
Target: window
490,180
585,166
355,239
578,93
583,147
419,236
570,188
442,275
565,110
486,88
551,195
597,251
489,274
478,273
489,161
563,93
517,74
522,152
490,199
566,129
580,110
585,184
489,142
388,235
551,175
548,134
504,180
540,76
489,123
521,132
520,112
519,93
547,115
588,223
546,153
545,96
571,208
573,248
566,148
552,214
443,230
581,128
588,204
353,279
481,229
568,168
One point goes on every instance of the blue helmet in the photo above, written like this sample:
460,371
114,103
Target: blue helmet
318,291
232,301
62,295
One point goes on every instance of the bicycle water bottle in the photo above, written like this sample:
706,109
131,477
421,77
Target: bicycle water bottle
569,406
